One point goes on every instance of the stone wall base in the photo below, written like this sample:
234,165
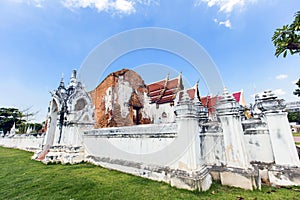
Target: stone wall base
248,179
284,176
196,180
276,175
62,154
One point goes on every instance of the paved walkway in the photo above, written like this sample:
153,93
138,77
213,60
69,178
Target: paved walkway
297,138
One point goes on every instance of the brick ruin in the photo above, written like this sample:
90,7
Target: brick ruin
118,100
123,99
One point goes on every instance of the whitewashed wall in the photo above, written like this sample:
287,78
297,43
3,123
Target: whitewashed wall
28,143
143,143
259,148
154,112
213,149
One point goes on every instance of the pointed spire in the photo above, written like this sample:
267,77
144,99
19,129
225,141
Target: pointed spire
74,73
225,91
226,96
180,82
13,129
168,77
73,78
28,129
164,88
196,84
14,126
62,82
196,94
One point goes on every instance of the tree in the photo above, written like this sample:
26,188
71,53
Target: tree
287,38
294,117
11,116
297,91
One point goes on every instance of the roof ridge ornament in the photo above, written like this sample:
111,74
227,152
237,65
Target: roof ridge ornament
164,88
62,83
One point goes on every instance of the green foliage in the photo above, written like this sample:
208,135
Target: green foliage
287,38
22,178
294,117
9,116
297,91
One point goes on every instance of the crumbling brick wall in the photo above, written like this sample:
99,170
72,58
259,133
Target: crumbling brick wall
119,100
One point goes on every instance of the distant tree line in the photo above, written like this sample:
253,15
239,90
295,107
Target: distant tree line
11,116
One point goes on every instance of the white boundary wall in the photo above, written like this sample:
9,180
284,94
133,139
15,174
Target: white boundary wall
28,143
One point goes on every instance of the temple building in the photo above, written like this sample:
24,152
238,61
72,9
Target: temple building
124,99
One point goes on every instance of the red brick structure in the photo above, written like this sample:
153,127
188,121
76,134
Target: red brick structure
119,100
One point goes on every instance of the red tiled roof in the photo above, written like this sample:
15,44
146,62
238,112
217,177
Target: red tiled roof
154,93
156,86
192,92
164,91
171,91
237,96
172,83
166,99
211,102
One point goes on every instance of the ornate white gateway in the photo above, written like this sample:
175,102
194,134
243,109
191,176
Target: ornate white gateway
69,114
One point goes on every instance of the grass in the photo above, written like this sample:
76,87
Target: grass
22,178
296,134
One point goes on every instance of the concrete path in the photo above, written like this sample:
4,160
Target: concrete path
297,138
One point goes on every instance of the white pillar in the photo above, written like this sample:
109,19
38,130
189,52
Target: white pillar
235,151
191,161
188,125
284,149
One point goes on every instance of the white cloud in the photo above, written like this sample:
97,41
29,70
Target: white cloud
36,3
281,76
126,7
279,92
225,23
113,6
226,6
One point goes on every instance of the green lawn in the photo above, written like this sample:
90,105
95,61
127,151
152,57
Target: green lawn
22,178
296,134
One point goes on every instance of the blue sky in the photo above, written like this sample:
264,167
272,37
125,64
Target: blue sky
41,39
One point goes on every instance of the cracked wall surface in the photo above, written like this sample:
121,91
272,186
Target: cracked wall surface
119,100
